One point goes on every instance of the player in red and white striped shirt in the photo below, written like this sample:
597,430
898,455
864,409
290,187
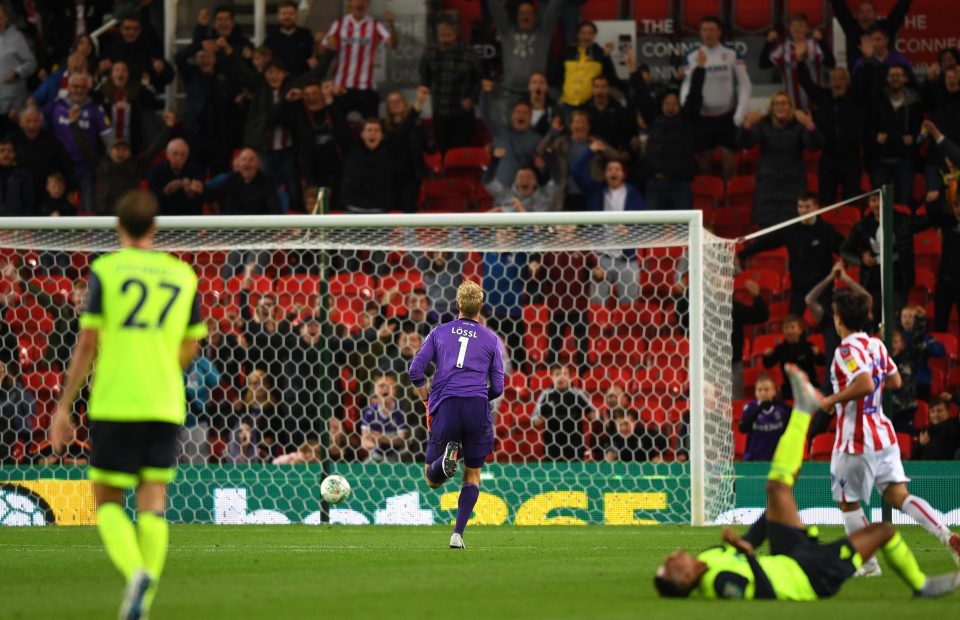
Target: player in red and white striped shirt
866,454
355,37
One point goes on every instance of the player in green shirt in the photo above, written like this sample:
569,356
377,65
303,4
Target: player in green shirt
140,330
798,568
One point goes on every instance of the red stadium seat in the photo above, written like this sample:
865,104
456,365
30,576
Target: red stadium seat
599,10
905,441
747,160
953,378
740,191
535,340
708,189
842,219
763,342
448,195
771,282
739,444
652,11
921,417
815,10
773,260
599,380
351,284
753,16
811,161
821,449
434,163
927,248
692,11
924,285
468,159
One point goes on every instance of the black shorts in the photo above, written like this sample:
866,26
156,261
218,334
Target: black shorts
714,131
124,453
827,566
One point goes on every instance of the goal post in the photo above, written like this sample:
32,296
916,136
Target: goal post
633,304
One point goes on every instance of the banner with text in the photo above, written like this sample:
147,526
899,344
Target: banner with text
549,494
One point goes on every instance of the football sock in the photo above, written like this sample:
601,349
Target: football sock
853,522
469,493
788,457
923,513
154,539
119,539
758,531
904,564
435,472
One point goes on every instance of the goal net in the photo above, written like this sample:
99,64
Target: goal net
616,331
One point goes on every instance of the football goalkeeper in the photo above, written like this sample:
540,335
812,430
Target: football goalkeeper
799,568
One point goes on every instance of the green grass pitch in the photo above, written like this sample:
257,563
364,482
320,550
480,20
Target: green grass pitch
219,572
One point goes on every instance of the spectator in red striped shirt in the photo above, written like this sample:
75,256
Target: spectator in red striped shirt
800,48
355,38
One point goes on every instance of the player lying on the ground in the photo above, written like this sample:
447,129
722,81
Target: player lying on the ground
798,568
467,355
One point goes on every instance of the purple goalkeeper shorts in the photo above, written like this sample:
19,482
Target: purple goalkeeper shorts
468,421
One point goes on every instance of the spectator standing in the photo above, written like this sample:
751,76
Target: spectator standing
583,61
17,64
405,139
795,349
17,407
921,346
504,275
838,114
880,56
16,184
56,203
383,426
618,269
88,117
743,314
64,23
726,93
524,194
292,45
451,72
560,411
629,442
442,273
121,171
518,139
561,281
141,51
763,420
800,49
941,441
243,448
782,134
55,85
856,27
560,150
367,181
820,305
810,245
177,181
903,400
316,143
896,119
947,219
129,106
525,42
944,107
355,37
543,108
224,30
39,152
670,158
269,126
247,191
609,119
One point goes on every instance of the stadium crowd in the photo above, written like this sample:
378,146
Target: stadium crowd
261,128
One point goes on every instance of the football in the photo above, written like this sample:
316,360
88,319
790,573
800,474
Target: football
335,489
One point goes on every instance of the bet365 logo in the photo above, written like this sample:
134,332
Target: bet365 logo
21,506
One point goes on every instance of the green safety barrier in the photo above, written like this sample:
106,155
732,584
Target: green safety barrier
536,494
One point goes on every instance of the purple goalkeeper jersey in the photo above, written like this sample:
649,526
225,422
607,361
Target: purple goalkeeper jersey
468,362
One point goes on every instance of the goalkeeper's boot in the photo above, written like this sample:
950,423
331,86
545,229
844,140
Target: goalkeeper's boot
450,456
940,585
133,607
456,541
806,398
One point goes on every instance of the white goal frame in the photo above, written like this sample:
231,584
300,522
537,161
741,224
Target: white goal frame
693,220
